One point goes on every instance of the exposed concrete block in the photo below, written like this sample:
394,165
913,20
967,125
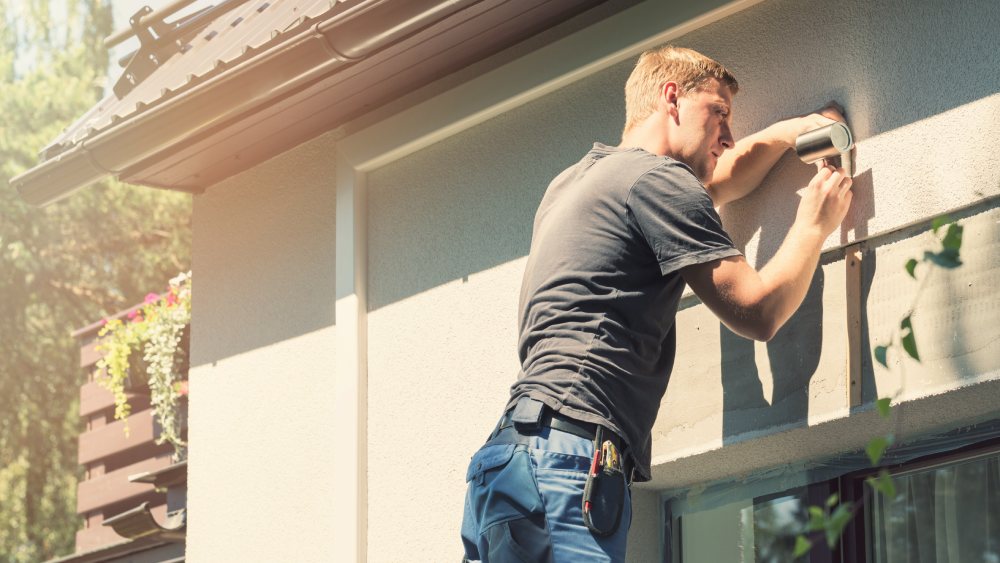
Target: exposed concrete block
725,388
955,315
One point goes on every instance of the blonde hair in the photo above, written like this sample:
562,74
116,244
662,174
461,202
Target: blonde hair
688,68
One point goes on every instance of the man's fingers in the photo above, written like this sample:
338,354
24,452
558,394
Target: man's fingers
845,185
832,110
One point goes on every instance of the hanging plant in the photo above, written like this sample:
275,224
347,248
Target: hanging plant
149,348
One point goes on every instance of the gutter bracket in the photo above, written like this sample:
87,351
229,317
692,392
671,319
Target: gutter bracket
158,41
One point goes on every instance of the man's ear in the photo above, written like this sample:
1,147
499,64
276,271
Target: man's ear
669,96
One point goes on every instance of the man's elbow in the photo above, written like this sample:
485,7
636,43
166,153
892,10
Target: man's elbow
759,331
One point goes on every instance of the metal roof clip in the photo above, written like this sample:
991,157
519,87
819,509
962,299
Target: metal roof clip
160,40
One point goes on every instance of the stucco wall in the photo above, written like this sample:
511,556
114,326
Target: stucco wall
449,227
262,363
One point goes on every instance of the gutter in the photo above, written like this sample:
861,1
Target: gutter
315,54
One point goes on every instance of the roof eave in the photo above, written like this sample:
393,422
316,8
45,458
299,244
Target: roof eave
245,88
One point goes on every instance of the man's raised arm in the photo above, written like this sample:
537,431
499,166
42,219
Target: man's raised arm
755,305
741,169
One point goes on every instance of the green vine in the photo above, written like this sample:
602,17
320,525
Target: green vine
829,521
146,347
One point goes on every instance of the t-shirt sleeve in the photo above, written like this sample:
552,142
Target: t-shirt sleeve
674,214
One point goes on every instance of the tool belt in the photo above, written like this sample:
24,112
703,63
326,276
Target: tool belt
611,470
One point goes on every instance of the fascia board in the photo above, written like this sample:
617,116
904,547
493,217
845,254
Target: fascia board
590,50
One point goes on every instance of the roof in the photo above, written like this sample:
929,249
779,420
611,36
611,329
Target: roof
232,37
259,77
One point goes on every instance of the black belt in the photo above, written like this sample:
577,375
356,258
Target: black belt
557,421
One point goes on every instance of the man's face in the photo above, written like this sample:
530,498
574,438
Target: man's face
703,134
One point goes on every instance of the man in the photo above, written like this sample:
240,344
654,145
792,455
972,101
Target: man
615,239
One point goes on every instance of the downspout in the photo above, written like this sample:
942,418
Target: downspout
315,54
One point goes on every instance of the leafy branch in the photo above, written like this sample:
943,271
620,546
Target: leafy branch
150,342
829,521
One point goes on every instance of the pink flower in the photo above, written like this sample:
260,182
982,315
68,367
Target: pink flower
182,388
171,298
104,321
135,315
150,298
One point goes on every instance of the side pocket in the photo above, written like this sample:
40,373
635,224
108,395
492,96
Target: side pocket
512,524
523,540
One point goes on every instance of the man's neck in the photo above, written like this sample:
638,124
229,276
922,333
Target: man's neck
647,135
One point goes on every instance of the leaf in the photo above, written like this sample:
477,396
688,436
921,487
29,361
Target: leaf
939,222
953,238
911,264
877,446
883,484
880,355
802,546
832,500
909,341
947,258
883,406
835,525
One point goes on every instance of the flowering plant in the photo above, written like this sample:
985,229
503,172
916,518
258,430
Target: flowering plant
148,345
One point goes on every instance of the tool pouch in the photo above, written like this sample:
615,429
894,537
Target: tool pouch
604,495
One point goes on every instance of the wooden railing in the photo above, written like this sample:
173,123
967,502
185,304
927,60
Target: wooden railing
109,456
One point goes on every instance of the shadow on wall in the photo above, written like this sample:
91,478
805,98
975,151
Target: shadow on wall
467,203
794,353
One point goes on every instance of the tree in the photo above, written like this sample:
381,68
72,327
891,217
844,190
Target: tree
62,266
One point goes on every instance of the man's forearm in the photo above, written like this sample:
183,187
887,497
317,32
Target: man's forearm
741,169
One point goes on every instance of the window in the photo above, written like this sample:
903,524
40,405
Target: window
947,510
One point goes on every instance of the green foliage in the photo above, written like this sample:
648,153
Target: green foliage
883,406
153,334
61,267
802,546
948,256
830,520
877,446
907,339
883,484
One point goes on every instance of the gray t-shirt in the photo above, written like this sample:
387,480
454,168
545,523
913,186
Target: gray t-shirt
602,285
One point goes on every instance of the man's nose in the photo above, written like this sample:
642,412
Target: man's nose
726,138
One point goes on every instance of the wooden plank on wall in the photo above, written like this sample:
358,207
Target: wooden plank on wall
852,256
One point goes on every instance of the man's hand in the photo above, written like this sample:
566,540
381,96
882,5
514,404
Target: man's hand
825,200
789,129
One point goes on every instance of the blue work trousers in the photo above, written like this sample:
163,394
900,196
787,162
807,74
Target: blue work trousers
525,503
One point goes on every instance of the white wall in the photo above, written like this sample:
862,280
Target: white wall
449,226
261,445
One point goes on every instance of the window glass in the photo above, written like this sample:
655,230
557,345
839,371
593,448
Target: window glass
776,522
758,530
948,513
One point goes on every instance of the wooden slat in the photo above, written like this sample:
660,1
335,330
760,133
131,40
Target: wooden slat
94,398
89,354
852,255
109,440
115,487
